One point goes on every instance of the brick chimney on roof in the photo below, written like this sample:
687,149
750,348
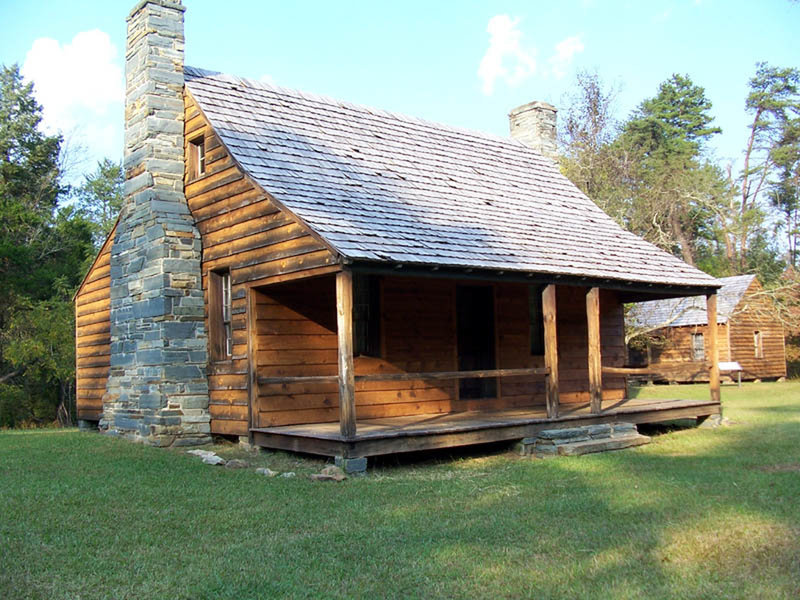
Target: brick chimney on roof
157,390
534,124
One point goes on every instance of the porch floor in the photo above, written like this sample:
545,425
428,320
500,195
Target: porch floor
421,432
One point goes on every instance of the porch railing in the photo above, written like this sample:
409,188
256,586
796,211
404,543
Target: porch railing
551,403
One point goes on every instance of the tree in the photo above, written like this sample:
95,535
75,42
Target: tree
100,197
774,103
674,187
42,253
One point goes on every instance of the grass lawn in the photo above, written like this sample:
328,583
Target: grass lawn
699,513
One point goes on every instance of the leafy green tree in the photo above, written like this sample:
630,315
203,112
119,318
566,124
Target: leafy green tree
42,254
100,197
673,187
774,104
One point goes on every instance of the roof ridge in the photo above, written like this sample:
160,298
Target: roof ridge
325,99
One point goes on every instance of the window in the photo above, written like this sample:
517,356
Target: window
536,319
476,342
698,347
220,303
758,345
366,315
197,158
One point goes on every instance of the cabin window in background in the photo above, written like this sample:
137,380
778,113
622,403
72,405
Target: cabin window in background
758,345
698,347
197,157
220,305
476,341
536,319
366,315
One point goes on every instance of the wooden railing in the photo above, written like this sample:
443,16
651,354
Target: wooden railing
552,406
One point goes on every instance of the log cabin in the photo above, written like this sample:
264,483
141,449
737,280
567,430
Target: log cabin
317,276
747,330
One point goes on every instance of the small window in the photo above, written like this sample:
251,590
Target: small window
758,345
197,157
698,347
366,315
219,315
536,319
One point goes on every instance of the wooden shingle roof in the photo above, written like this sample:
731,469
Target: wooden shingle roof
383,188
677,312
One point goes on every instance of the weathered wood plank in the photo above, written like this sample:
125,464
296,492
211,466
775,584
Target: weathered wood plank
713,349
344,328
593,340
551,349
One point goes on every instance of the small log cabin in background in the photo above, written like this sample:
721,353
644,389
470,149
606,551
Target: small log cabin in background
372,283
747,330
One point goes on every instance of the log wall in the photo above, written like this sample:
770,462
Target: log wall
756,315
93,335
245,232
297,337
735,339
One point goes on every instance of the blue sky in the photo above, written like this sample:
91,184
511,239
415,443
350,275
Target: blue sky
462,63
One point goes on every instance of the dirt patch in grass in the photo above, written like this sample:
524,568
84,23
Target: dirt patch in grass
788,468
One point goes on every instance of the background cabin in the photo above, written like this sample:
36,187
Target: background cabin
748,334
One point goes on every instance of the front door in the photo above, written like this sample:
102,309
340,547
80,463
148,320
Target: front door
476,340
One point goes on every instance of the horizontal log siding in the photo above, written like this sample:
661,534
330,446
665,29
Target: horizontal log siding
676,355
297,337
245,232
756,315
93,335
573,355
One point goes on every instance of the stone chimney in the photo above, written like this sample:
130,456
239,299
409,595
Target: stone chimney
534,124
157,390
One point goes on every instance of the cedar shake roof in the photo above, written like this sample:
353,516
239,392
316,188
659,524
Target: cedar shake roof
677,312
386,188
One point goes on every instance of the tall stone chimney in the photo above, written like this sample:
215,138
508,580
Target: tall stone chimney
534,124
157,390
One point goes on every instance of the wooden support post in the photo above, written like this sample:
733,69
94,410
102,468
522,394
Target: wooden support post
550,349
713,347
344,328
595,361
252,364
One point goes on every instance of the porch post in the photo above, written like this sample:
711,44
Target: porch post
252,364
550,348
595,361
713,348
344,329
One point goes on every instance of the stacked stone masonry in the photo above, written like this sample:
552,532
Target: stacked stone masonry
157,390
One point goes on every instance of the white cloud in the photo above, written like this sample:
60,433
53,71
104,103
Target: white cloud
81,89
565,51
505,59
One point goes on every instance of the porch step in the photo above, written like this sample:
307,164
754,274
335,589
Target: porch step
576,441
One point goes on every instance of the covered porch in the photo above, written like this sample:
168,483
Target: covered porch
456,421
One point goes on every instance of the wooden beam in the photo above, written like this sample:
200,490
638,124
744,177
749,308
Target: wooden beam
595,362
550,348
409,376
344,329
452,375
252,363
713,346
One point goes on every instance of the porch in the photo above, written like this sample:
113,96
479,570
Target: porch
333,401
391,435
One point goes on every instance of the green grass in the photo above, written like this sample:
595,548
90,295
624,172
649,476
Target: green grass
699,513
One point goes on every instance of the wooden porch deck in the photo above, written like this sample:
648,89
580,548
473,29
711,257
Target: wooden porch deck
390,435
